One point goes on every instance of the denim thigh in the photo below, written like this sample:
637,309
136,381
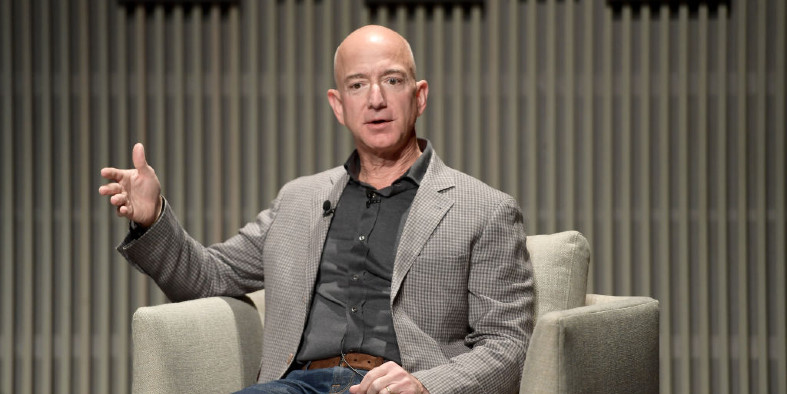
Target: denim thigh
314,381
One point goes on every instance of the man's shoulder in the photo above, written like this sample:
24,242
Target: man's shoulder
468,186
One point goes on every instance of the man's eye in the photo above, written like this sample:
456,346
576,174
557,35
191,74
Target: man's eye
394,81
355,86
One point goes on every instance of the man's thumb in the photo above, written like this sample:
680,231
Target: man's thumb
138,156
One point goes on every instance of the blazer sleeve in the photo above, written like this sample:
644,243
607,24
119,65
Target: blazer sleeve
185,269
500,312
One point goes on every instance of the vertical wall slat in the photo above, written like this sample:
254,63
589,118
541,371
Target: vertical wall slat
512,83
176,109
251,144
346,25
682,203
532,204
155,99
7,334
548,167
289,159
83,185
491,128
568,177
232,213
65,275
623,237
327,119
760,227
605,171
588,122
44,193
271,150
195,165
214,139
663,237
473,144
454,150
24,178
308,153
702,246
419,41
722,237
780,198
644,254
436,98
741,209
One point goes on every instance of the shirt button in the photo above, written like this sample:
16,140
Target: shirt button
362,237
354,309
355,277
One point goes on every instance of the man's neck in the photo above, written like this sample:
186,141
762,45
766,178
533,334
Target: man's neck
381,172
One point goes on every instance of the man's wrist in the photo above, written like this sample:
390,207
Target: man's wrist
138,229
421,389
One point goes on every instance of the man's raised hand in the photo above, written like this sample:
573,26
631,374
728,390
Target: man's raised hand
136,193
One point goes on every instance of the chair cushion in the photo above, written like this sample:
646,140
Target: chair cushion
560,265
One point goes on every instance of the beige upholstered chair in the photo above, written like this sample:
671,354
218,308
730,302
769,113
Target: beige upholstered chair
581,343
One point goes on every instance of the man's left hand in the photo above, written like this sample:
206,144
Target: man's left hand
389,378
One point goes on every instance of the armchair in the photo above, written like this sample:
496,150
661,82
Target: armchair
581,342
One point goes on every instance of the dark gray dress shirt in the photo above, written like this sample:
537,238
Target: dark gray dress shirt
351,310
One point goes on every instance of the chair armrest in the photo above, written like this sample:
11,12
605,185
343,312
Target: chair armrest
608,346
206,345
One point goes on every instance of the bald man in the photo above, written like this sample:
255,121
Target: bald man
391,274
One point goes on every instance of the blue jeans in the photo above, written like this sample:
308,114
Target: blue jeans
314,381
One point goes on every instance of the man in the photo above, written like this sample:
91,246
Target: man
391,274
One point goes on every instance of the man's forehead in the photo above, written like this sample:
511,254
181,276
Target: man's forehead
371,49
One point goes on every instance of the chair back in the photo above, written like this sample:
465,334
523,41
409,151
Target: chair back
560,269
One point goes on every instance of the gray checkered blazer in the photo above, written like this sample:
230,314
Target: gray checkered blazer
462,288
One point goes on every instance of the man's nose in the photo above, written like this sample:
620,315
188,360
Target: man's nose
376,96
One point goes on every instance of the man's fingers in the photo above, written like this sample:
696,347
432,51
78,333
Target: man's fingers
138,156
371,380
126,210
119,199
110,189
113,174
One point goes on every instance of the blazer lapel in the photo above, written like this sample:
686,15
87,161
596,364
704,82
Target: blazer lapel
321,222
427,210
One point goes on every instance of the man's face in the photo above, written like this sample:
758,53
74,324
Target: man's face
377,97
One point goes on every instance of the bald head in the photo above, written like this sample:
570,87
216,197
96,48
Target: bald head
372,38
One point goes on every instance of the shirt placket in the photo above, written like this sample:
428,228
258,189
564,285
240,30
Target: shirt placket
355,306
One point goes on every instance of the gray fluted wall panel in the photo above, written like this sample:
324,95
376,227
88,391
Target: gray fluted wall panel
658,131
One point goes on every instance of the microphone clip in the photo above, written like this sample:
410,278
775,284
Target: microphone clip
326,209
372,197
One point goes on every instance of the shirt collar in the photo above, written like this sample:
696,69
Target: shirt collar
415,173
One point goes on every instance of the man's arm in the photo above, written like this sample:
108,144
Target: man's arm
181,266
185,269
501,312
500,319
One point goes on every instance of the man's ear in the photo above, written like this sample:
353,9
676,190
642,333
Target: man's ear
335,100
421,93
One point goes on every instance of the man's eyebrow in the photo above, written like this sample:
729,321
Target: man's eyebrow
394,71
354,76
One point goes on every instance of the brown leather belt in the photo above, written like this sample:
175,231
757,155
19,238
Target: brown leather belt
355,360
